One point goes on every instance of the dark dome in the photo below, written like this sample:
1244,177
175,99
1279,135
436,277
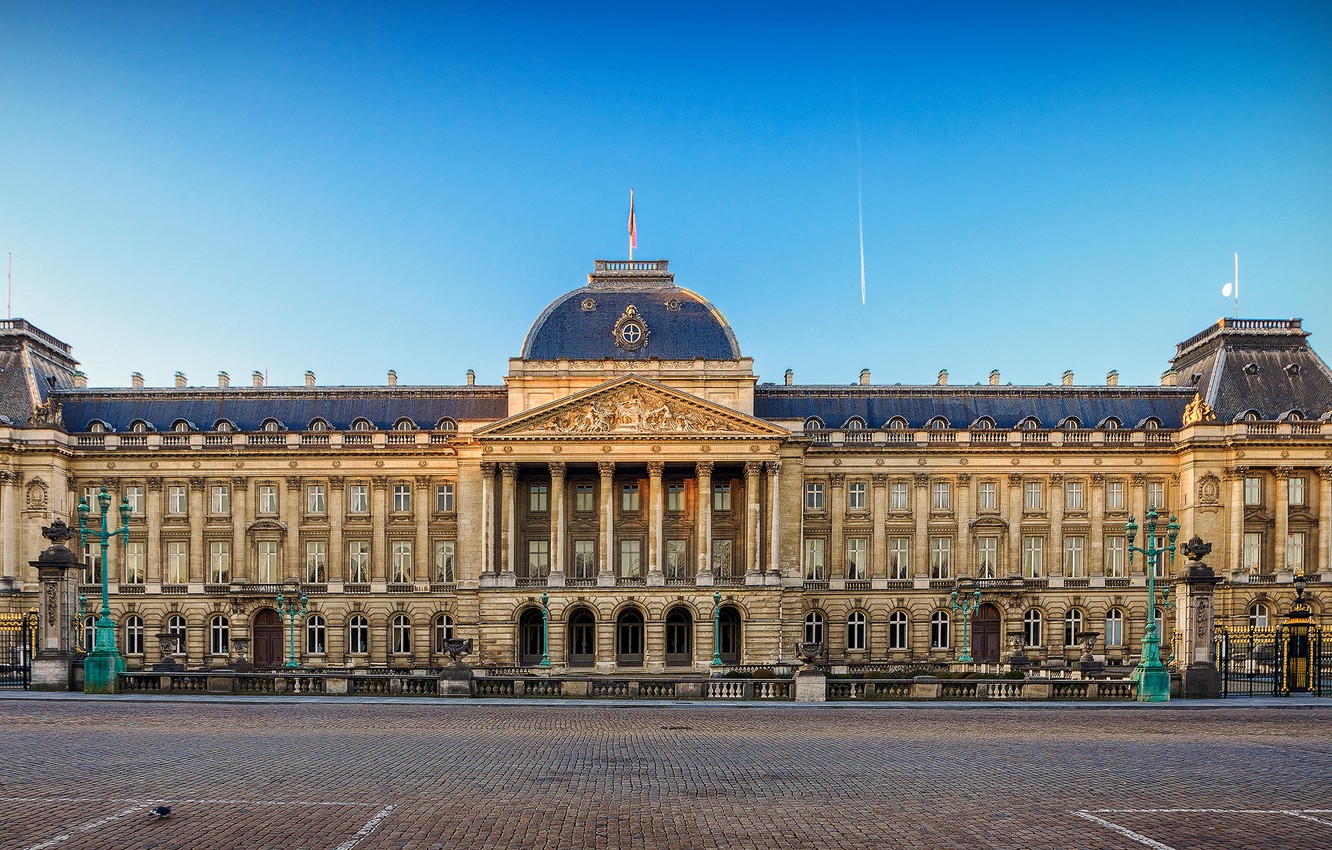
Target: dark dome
631,310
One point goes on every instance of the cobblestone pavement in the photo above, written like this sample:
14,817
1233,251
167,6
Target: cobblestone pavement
365,776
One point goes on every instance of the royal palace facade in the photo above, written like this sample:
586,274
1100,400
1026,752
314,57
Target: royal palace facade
635,483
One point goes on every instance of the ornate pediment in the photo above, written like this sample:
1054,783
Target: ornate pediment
631,406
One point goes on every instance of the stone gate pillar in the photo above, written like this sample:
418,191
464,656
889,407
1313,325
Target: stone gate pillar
1195,616
57,571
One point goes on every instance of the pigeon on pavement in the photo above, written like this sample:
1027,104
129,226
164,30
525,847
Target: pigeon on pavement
159,812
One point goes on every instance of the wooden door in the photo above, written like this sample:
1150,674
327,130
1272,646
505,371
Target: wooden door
267,648
985,635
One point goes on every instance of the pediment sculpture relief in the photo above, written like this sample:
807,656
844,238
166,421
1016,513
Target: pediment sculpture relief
634,410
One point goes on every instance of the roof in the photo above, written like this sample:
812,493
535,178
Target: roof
33,365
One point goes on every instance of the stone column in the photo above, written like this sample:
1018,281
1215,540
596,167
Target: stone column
487,521
920,510
57,571
774,565
240,517
421,517
337,553
1096,543
606,561
557,525
197,507
657,509
753,557
10,492
963,560
836,553
153,521
379,546
1195,614
1236,474
293,508
1138,508
1282,474
1324,553
704,471
508,518
1054,558
1013,556
878,570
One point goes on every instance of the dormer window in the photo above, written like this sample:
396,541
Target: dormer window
1251,416
938,423
1031,423
404,424
1251,368
362,425
223,426
897,423
271,425
813,423
138,426
180,426
985,423
446,424
1112,424
1072,423
855,423
97,428
1151,423
319,425
1293,369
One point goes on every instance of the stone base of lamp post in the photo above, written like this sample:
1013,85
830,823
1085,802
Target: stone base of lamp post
101,672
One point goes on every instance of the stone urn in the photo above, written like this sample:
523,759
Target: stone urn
168,643
1088,663
242,647
812,655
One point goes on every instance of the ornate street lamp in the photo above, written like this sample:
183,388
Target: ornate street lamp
545,630
716,628
103,666
965,606
292,609
1153,678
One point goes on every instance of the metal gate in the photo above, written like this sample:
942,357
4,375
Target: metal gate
18,642
1289,659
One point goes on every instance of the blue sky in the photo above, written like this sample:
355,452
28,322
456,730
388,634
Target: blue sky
350,188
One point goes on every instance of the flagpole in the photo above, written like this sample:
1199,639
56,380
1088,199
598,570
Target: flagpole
631,224
1237,284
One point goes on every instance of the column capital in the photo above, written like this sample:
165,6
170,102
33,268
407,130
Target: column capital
655,468
922,479
1056,478
703,467
879,480
558,468
1138,479
1098,479
1282,472
335,482
423,481
753,468
1234,472
240,483
293,483
773,466
837,479
509,471
1015,479
154,483
488,468
1325,473
606,468
197,484
378,482
964,479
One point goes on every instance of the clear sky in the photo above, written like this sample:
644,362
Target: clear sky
350,188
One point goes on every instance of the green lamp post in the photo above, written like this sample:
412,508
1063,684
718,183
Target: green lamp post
965,606
545,630
716,628
103,666
292,609
1152,676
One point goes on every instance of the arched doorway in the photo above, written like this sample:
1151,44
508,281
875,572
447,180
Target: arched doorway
267,640
581,644
629,639
530,649
728,627
985,635
679,638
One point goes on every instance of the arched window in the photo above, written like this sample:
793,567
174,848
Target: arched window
985,423
1072,626
362,424
1031,423
176,626
97,427
812,424
219,635
1291,416
1072,423
138,426
1112,423
134,635
1258,615
446,424
855,631
814,624
855,423
730,635
1114,627
897,630
679,637
181,426
316,634
271,425
1251,416
897,423
89,633
223,426
404,424
629,639
400,635
1151,423
443,632
581,642
530,648
358,635
1031,628
939,630
938,423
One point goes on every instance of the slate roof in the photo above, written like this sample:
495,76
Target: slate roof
33,364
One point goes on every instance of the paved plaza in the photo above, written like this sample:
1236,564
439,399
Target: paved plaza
360,775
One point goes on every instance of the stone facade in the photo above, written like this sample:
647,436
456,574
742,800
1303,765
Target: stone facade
632,485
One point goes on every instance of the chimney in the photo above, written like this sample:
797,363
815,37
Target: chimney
790,377
864,377
393,378
309,378
80,381
180,380
136,380
1112,378
471,378
257,378
223,379
943,378
994,377
1170,378
1067,379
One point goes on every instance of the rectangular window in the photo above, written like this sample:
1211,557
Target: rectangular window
855,496
444,498
1075,564
219,561
629,501
941,557
1033,496
1114,556
986,500
675,496
135,562
316,561
266,557
1294,490
941,496
1253,551
814,497
538,558
134,495
899,558
816,549
584,498
1253,491
721,497
677,558
358,561
585,559
220,503
268,499
1295,551
401,562
538,499
402,498
1159,544
631,559
1156,495
857,558
987,557
722,562
1073,496
176,500
1033,557
1114,495
177,562
314,499
899,496
445,553
358,499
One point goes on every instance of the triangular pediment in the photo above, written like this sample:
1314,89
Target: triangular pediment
630,407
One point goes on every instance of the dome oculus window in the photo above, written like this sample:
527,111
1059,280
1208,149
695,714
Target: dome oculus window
631,332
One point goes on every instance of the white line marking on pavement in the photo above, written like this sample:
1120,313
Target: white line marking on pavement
1302,815
1207,811
178,801
87,827
1125,831
364,831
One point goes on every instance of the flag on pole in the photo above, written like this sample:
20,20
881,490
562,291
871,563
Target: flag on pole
633,225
